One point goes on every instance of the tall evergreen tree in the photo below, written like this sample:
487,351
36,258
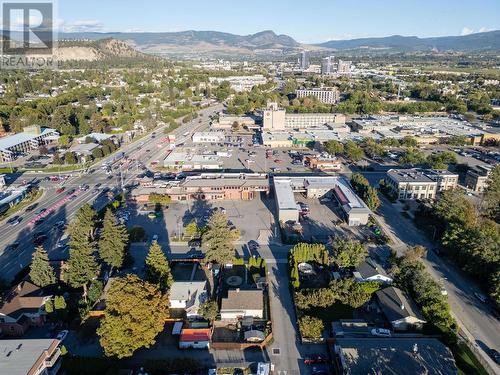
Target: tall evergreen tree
41,273
218,239
82,265
113,241
157,268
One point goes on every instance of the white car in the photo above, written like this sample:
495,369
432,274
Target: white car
381,332
62,335
155,238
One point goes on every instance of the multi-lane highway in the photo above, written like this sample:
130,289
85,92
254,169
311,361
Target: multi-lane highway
143,151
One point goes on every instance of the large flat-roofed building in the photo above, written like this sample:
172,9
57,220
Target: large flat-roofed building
241,83
477,179
275,118
285,201
208,137
185,161
397,356
208,186
326,95
277,139
30,139
227,121
353,208
411,184
30,357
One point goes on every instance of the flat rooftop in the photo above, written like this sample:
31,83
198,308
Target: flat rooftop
284,195
14,140
397,356
408,175
18,356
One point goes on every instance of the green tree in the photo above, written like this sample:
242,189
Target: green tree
209,310
49,306
348,253
59,303
137,234
159,198
334,147
95,291
453,207
113,240
311,327
492,194
57,160
135,314
412,156
69,158
157,269
41,272
409,141
218,239
192,229
82,265
353,151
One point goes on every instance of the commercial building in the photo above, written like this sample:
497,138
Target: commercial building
208,137
227,121
445,179
344,67
324,164
30,139
304,60
477,179
275,118
327,95
355,212
30,357
327,65
411,184
416,355
11,196
241,83
185,161
207,186
240,304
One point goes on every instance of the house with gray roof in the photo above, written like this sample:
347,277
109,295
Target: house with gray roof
371,270
401,312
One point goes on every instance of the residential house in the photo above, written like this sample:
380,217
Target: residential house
22,307
241,304
30,357
371,270
188,295
401,312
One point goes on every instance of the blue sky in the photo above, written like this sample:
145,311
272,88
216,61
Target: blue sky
306,20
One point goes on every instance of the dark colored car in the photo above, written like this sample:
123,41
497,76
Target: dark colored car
12,246
32,207
495,355
40,240
42,210
194,242
315,358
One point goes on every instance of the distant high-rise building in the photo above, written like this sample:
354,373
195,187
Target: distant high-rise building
327,65
344,67
304,60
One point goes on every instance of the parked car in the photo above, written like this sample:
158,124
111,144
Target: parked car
62,335
155,238
480,297
194,242
380,332
60,190
315,358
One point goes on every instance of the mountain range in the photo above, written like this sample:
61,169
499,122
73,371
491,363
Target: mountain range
215,43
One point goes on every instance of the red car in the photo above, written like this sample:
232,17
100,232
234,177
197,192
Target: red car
60,190
279,161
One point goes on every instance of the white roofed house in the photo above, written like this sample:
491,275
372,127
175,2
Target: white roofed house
188,295
241,304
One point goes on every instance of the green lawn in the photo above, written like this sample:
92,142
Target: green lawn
467,362
332,313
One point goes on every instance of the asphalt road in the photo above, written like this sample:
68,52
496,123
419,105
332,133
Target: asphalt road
12,261
474,317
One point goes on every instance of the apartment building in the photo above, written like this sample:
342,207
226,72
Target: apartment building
30,139
477,179
445,179
344,67
275,118
411,184
327,95
30,357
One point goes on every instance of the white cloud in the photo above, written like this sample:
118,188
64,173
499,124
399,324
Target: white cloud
466,31
80,26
